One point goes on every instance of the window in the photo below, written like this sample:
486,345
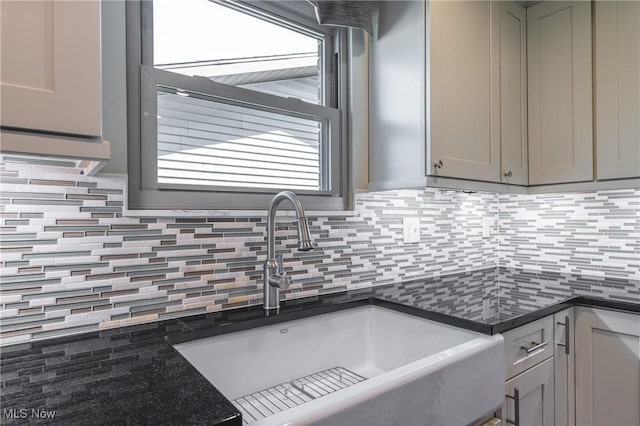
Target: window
231,102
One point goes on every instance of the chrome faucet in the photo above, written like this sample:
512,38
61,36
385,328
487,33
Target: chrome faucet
274,276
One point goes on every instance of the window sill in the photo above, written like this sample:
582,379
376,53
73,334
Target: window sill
178,213
230,213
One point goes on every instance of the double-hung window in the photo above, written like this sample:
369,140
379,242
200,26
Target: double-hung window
231,102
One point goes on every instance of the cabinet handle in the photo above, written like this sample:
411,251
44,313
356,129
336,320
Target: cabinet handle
567,339
516,406
534,347
438,164
567,330
508,174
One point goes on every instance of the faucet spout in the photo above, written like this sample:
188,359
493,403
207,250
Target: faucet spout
274,275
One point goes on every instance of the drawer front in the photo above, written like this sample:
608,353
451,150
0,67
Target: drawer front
528,345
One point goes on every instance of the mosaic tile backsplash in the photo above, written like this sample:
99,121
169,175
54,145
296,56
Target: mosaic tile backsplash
71,262
593,234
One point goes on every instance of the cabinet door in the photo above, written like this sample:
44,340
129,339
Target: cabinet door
563,365
560,101
607,367
617,77
50,71
535,396
464,124
513,93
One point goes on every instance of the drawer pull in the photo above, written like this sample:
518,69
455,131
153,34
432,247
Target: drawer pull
534,347
516,407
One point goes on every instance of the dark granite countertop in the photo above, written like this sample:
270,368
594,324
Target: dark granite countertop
132,375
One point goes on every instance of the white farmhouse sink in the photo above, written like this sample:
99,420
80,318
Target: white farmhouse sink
374,366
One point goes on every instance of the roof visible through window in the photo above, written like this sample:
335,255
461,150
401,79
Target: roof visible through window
231,47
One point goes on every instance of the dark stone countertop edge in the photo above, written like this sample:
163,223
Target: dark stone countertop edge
480,327
216,330
557,307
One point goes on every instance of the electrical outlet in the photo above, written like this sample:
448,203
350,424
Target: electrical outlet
411,229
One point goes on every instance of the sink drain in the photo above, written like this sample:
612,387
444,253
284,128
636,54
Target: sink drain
276,399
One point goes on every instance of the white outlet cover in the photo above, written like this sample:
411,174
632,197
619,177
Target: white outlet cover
411,230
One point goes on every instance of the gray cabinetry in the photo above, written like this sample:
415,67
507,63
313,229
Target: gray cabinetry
529,390
530,396
463,118
513,94
51,66
617,88
607,367
397,144
559,95
50,78
437,85
469,94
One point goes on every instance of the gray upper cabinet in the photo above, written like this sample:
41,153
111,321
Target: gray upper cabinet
559,95
464,122
492,92
397,97
51,80
513,94
51,66
617,96
437,84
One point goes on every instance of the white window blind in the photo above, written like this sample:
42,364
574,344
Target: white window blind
202,141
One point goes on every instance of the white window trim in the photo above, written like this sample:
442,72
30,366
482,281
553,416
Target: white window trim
145,193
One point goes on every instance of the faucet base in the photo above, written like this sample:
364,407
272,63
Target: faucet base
271,311
271,293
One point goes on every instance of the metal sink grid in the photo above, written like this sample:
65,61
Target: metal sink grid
276,399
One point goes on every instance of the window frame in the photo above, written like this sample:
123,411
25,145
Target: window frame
144,191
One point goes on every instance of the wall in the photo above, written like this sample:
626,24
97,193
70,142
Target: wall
593,234
71,262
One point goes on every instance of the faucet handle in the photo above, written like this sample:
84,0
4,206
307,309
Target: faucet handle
280,278
281,281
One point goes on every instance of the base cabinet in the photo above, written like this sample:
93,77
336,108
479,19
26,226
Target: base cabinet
580,366
529,390
530,396
607,367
